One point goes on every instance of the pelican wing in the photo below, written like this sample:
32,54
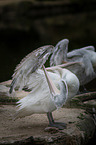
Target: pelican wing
82,56
80,52
74,54
30,64
60,52
92,48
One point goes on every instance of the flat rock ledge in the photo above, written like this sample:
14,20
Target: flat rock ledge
35,130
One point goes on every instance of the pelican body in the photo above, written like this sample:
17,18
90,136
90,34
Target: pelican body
40,99
87,57
85,70
50,88
43,99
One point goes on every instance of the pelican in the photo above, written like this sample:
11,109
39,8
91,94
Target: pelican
50,88
86,71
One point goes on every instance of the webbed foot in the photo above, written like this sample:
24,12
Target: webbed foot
52,123
58,125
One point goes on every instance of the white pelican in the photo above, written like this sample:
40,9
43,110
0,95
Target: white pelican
51,89
86,71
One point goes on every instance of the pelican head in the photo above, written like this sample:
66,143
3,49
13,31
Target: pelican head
60,99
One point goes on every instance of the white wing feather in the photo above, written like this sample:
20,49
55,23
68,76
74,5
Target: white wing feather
28,65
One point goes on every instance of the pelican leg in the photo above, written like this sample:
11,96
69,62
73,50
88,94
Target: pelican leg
55,124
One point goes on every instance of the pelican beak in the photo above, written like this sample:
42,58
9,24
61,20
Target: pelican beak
52,87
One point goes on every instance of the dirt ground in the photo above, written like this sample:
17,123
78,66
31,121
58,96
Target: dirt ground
80,125
34,125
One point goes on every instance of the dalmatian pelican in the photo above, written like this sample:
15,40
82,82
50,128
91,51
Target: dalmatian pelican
50,88
86,70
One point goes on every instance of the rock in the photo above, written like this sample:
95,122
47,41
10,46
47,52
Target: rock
77,132
51,130
6,97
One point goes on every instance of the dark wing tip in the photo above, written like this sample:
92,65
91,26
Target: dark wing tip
12,85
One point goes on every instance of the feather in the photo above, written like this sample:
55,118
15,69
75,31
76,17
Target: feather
28,65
